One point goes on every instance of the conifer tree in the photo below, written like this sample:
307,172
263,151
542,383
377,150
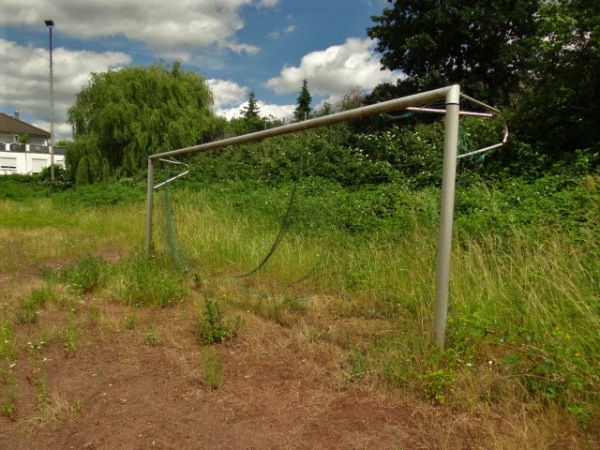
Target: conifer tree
251,110
303,109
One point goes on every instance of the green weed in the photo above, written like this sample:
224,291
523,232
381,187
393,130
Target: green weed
212,367
438,385
84,276
153,336
71,336
29,307
213,327
94,315
356,367
8,382
130,322
146,283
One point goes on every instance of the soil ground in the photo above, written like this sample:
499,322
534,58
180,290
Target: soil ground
136,380
122,390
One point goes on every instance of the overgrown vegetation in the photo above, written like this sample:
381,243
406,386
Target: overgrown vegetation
348,216
525,288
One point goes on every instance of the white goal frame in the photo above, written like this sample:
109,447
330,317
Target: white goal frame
450,95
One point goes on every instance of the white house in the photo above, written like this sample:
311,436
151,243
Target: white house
25,158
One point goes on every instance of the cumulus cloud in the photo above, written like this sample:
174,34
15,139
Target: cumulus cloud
276,111
226,93
170,28
231,98
265,110
25,86
334,70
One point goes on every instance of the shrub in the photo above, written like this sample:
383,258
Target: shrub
213,327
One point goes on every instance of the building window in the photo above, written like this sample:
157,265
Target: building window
38,164
7,163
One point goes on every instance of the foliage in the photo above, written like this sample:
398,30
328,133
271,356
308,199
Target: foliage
122,116
102,194
8,382
352,98
145,282
20,187
86,275
251,110
212,368
250,121
302,111
213,327
557,116
479,44
29,307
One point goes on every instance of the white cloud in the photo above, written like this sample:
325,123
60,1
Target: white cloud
268,3
25,85
333,70
275,35
276,111
226,93
231,98
170,28
265,110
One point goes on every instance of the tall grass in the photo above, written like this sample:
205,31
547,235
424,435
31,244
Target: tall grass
524,314
44,229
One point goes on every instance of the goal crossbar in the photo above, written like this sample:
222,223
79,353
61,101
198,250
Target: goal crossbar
450,95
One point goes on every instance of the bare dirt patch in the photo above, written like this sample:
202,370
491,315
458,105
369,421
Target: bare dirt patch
119,389
92,373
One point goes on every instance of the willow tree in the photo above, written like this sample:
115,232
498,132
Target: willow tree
122,116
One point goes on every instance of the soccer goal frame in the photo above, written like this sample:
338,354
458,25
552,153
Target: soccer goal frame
451,95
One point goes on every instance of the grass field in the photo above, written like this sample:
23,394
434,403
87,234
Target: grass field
351,284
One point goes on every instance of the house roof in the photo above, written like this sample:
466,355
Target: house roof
11,125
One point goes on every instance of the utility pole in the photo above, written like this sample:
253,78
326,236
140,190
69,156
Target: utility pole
50,25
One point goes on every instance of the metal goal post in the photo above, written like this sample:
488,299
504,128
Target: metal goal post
450,95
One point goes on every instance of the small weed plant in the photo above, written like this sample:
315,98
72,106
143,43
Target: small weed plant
153,337
130,322
8,382
212,368
29,307
145,282
71,337
84,276
213,327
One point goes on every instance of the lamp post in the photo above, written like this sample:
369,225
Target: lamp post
50,25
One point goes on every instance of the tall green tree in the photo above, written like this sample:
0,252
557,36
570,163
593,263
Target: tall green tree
480,44
302,111
251,110
559,113
250,120
122,116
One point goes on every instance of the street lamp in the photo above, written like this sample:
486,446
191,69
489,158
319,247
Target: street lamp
50,25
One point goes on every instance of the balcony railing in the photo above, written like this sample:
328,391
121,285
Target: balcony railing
30,148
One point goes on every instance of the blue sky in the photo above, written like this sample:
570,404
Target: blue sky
268,46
